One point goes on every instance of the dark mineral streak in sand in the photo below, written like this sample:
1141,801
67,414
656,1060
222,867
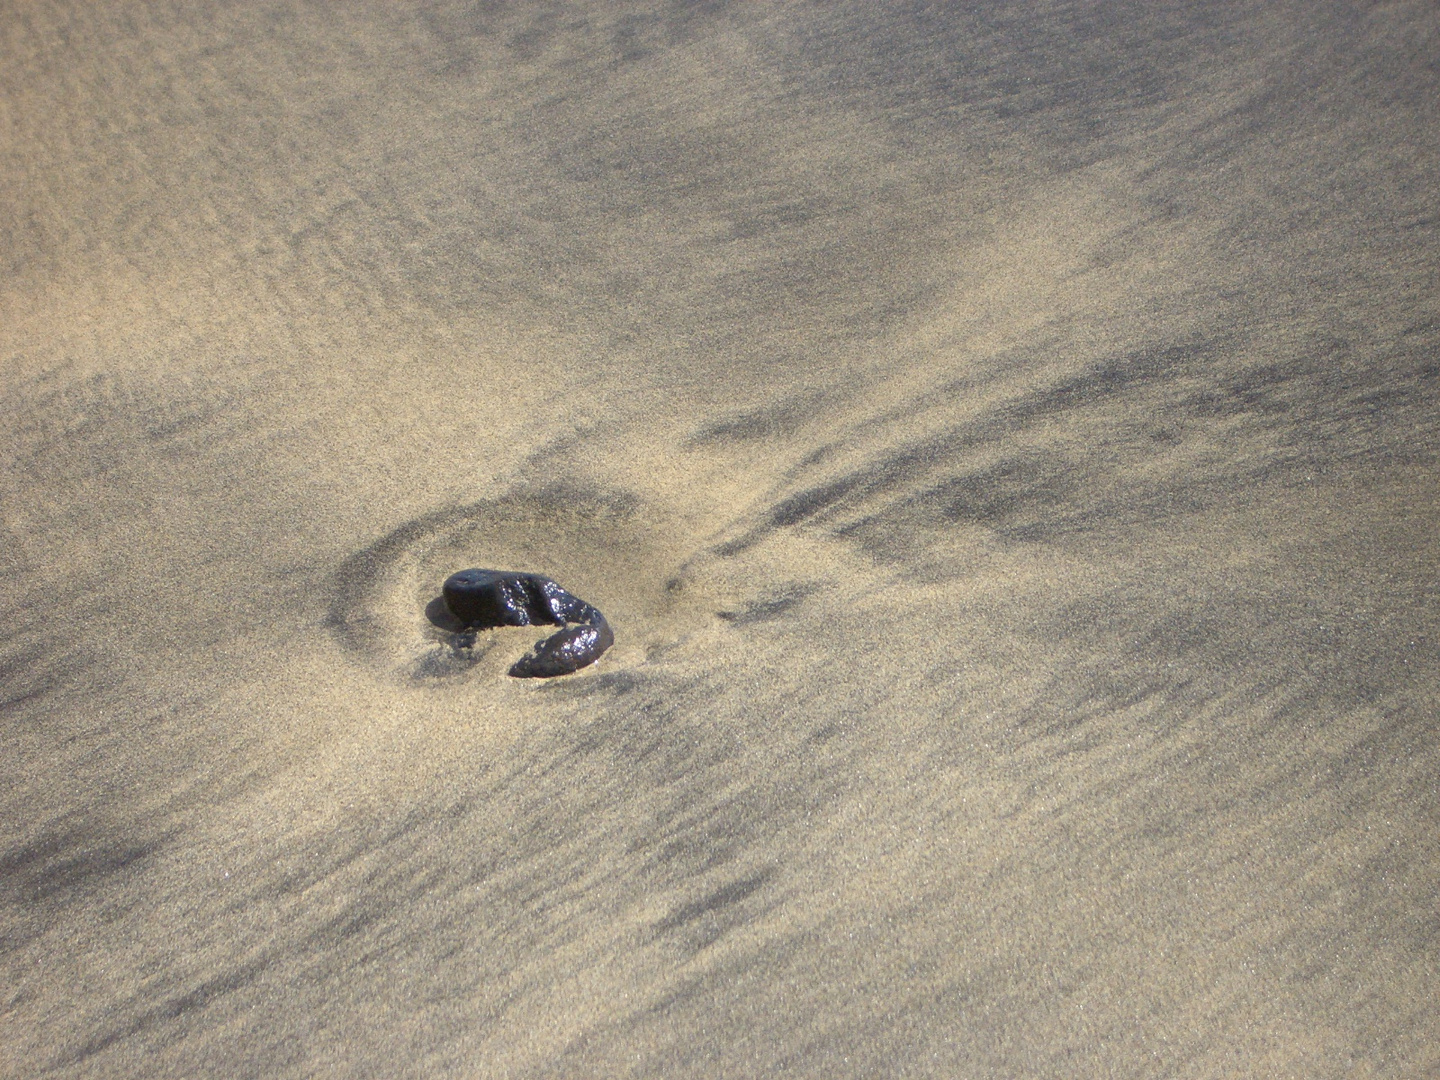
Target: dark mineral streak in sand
483,599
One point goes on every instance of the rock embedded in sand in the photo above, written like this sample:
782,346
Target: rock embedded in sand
481,599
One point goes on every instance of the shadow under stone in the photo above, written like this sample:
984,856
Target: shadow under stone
443,618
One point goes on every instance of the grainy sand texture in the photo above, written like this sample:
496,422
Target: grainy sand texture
1004,438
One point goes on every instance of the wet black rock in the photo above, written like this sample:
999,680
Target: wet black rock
480,599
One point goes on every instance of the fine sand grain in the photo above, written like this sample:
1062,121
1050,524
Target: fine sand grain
1005,439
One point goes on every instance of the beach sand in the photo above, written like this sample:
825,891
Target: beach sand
1003,438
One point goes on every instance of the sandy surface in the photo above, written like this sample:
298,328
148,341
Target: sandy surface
1005,439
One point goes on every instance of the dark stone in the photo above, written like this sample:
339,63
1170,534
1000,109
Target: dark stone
480,599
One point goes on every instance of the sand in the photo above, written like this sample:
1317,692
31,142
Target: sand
1003,438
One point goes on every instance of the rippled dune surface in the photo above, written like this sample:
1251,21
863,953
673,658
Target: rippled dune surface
1005,439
